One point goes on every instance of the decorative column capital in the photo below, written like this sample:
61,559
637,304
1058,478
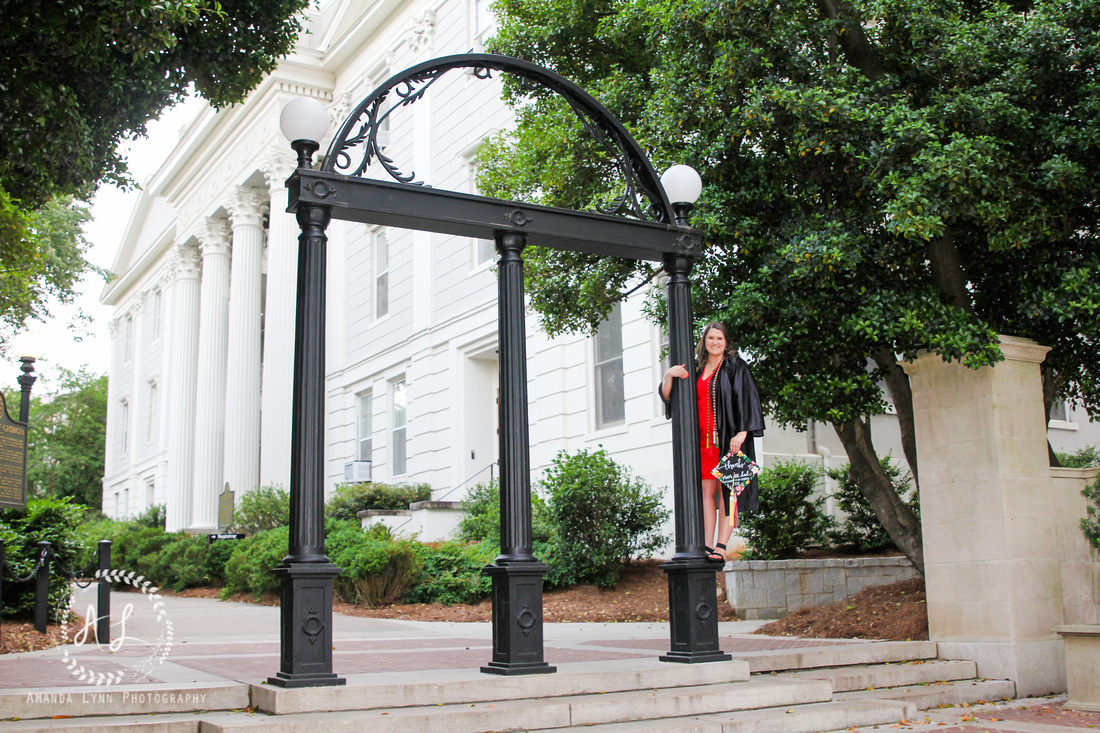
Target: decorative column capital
421,35
112,326
214,237
246,206
137,304
187,264
277,166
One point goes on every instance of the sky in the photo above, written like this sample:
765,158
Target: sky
111,209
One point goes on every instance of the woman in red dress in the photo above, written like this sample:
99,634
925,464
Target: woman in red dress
729,416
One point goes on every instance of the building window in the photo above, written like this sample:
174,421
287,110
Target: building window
150,491
484,21
366,426
1059,412
400,419
151,428
383,136
157,305
610,399
124,418
381,273
484,249
128,339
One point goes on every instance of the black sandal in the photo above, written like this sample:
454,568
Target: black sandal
713,556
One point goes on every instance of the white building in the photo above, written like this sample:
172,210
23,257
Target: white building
200,380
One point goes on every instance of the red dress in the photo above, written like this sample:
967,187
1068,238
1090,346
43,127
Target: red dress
708,444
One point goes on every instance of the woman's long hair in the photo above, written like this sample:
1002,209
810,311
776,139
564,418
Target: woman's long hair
701,347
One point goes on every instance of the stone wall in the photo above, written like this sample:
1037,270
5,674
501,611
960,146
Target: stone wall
763,589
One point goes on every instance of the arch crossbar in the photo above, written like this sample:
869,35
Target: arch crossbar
357,143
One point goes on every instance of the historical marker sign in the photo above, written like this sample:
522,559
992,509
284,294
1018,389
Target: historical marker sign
225,508
13,460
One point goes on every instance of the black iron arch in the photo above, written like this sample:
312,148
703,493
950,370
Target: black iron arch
356,143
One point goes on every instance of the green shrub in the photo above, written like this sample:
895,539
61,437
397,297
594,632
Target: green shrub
453,573
861,528
44,520
136,548
602,517
249,567
349,499
790,519
377,569
264,508
1090,524
181,563
1087,457
217,555
481,519
154,516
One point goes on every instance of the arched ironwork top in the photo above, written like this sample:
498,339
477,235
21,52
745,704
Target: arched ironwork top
356,144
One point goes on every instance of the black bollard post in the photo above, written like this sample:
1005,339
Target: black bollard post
103,605
42,587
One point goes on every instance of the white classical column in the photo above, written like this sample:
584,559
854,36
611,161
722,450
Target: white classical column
210,407
242,396
184,340
278,357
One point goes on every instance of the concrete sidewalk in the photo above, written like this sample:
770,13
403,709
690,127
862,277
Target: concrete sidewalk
168,645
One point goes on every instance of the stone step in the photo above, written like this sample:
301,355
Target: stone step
87,700
892,674
837,655
808,718
505,715
937,695
408,689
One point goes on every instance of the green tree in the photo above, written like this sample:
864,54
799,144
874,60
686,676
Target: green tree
880,177
67,438
76,79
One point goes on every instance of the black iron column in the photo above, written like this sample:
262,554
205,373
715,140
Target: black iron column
26,381
103,594
305,633
692,581
42,587
517,575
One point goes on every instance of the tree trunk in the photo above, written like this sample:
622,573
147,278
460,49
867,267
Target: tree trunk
897,382
858,51
949,271
899,521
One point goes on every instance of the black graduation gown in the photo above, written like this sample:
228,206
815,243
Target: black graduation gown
738,404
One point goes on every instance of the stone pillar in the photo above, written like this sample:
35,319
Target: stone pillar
278,356
184,336
210,404
990,550
242,394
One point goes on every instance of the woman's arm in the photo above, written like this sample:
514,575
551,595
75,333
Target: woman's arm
737,441
680,370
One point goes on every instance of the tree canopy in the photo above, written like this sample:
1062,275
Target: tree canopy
76,79
67,438
880,177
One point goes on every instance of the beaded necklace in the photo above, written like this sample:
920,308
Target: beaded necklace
713,432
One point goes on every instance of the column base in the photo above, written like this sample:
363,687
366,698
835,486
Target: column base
305,626
517,619
693,612
1038,667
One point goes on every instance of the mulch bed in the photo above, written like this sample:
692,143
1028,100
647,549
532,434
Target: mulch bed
896,611
20,636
